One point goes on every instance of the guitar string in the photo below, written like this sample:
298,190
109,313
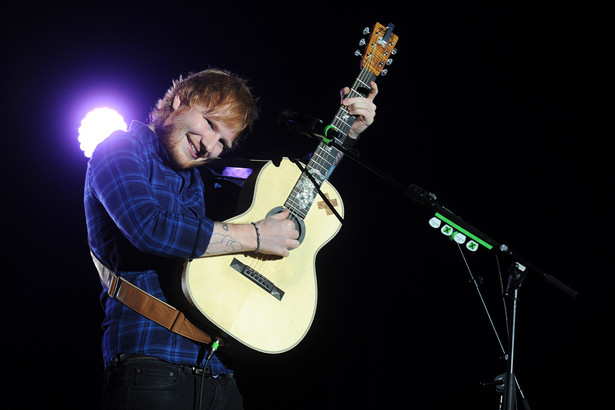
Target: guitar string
323,159
320,163
363,78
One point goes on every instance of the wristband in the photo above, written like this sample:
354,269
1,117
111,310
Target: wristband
258,237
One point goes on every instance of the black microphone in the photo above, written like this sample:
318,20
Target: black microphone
306,125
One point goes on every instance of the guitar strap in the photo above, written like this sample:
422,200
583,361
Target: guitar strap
147,305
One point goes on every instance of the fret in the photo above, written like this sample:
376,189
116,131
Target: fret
343,121
364,84
325,157
320,167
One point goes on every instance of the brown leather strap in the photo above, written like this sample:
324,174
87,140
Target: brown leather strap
148,305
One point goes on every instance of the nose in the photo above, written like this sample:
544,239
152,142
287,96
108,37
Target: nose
210,142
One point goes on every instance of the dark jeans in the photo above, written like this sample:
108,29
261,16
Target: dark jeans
149,384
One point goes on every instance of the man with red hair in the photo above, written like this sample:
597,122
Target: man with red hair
145,210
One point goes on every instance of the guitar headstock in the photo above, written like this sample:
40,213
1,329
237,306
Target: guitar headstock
379,49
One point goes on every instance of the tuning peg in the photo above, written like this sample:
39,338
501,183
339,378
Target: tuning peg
389,61
384,72
394,51
366,30
357,53
362,42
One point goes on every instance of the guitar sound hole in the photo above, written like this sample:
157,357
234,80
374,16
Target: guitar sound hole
299,224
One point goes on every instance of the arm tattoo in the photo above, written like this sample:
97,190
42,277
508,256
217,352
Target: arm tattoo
224,243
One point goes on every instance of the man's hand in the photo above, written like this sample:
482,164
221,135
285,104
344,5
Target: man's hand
278,234
362,108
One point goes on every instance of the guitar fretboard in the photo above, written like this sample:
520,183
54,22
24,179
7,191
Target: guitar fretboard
360,88
326,157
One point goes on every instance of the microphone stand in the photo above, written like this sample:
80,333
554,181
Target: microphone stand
516,276
455,226
429,199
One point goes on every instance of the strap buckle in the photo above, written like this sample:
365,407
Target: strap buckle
114,286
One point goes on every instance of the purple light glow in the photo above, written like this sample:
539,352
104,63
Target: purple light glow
97,125
237,172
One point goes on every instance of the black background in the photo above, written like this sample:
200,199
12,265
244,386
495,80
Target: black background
495,108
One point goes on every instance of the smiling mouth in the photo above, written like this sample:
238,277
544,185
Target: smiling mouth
193,151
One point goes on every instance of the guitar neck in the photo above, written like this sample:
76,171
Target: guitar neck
326,157
342,122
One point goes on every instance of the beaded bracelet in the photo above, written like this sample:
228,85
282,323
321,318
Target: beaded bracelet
258,237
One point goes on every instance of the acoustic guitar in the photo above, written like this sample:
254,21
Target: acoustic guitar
268,303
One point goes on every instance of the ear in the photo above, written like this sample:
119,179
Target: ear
176,102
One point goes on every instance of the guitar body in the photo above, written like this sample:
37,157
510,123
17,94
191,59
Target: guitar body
264,302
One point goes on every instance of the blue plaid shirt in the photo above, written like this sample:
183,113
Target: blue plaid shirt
142,217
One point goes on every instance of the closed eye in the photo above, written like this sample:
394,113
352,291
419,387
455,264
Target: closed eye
226,146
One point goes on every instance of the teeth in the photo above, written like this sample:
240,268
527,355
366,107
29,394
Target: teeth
194,149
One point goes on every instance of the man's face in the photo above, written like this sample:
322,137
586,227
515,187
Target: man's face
193,137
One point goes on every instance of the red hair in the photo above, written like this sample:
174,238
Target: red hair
225,94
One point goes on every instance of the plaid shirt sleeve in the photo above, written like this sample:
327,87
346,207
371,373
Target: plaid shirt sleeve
149,203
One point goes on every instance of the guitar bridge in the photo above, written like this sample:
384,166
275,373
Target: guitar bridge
257,278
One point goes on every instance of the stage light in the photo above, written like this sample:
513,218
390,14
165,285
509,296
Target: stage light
446,230
472,246
459,238
435,222
237,172
97,125
458,233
